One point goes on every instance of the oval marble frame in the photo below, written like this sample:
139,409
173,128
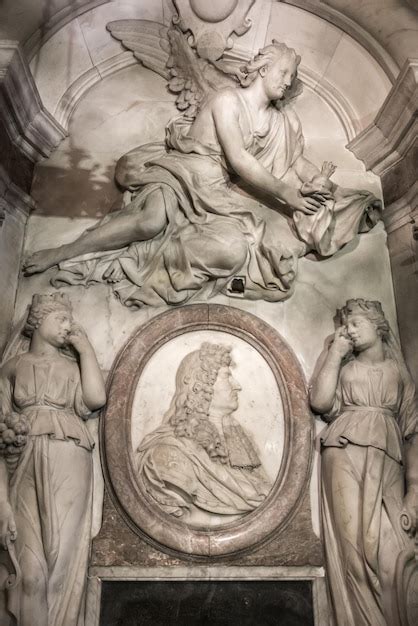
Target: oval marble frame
146,519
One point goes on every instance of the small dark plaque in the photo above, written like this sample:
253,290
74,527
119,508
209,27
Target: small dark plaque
202,603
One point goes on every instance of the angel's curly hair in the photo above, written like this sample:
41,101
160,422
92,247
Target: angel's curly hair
42,306
371,309
265,57
195,379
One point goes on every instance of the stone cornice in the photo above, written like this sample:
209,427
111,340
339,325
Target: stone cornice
385,142
12,199
31,128
403,211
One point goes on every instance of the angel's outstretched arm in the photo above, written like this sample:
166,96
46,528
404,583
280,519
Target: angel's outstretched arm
225,111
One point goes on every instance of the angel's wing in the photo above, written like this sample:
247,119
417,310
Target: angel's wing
167,52
147,40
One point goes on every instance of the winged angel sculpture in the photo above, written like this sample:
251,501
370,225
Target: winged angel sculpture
228,202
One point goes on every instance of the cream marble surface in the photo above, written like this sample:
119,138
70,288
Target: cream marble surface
314,39
93,24
60,61
125,110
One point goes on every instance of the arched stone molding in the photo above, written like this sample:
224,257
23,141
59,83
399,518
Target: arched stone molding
354,30
94,54
29,125
54,23
313,81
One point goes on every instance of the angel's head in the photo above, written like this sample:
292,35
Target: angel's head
276,66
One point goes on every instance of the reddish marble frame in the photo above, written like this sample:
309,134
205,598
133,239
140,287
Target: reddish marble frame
282,503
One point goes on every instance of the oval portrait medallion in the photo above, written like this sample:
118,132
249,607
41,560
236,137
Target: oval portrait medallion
207,435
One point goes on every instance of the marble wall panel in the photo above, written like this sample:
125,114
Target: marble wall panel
93,24
125,110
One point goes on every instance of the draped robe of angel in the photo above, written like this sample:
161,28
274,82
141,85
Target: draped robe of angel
215,230
205,211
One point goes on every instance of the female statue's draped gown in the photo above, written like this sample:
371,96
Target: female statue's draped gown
51,490
363,488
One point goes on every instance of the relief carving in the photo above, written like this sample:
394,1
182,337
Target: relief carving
200,458
209,463
364,391
228,203
212,23
47,391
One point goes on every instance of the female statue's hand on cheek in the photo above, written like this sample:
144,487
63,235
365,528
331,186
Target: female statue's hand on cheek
342,344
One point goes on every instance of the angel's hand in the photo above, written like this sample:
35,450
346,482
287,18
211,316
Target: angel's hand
317,188
308,204
328,168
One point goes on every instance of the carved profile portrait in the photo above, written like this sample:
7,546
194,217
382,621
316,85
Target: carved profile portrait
206,436
201,463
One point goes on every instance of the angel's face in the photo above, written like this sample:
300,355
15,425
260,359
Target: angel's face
278,77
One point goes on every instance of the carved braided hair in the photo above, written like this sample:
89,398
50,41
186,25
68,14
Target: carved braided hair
195,379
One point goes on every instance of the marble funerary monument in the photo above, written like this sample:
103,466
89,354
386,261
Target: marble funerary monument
208,342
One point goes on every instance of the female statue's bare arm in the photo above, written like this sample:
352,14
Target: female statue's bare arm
324,386
94,394
225,111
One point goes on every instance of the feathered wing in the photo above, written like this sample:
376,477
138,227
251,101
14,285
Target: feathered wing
166,51
146,40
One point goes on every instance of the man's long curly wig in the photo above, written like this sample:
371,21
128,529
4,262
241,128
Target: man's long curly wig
195,379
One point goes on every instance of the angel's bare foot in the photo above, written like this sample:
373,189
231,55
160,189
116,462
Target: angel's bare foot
328,169
40,261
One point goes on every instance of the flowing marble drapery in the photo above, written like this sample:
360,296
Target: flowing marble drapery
363,488
51,490
215,230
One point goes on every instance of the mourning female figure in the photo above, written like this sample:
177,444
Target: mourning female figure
369,456
45,498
